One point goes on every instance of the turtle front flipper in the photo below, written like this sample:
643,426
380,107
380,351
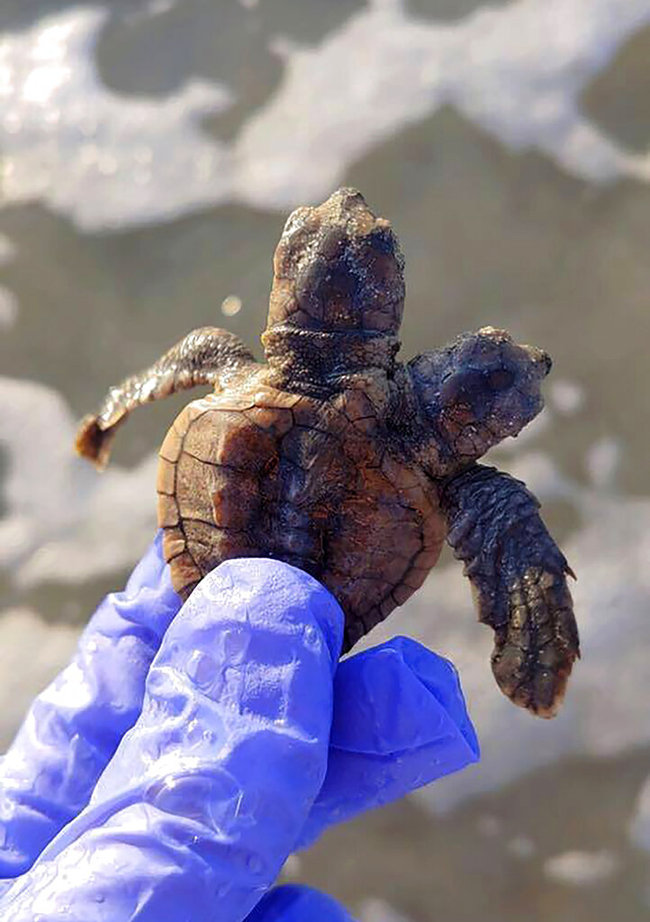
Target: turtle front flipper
519,578
208,355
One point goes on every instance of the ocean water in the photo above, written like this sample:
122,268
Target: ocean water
149,153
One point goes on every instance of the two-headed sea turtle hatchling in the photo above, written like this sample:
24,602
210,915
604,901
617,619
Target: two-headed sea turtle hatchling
337,458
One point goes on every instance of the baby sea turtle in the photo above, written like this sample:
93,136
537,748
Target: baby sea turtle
336,458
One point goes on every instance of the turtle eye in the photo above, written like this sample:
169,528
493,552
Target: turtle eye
500,379
463,387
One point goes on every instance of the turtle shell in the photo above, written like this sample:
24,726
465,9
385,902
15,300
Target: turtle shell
260,472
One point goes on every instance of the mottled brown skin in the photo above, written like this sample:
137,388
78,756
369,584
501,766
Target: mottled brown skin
336,458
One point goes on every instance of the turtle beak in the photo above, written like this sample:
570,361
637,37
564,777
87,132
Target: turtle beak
546,362
542,360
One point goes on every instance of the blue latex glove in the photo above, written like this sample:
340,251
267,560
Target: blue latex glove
170,770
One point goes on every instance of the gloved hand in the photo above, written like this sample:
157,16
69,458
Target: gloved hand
169,771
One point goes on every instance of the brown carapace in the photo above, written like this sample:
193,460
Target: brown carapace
335,457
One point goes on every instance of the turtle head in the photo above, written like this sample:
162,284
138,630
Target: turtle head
478,390
337,268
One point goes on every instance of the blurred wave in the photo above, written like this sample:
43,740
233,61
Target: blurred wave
109,161
62,521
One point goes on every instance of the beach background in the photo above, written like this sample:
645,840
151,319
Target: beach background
150,151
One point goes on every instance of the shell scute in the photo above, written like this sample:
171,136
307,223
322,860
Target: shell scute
237,501
227,438
166,478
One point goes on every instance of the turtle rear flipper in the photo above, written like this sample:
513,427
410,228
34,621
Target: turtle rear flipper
207,355
93,442
519,578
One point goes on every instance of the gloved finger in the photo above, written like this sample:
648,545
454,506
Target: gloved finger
73,728
206,795
297,903
399,722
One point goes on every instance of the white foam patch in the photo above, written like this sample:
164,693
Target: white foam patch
603,461
376,910
158,7
7,250
567,397
8,307
31,654
100,158
521,847
489,825
640,825
149,11
582,869
517,71
8,300
383,70
65,522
